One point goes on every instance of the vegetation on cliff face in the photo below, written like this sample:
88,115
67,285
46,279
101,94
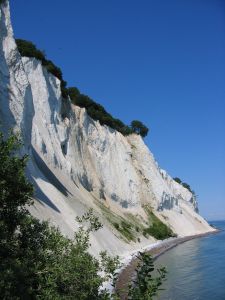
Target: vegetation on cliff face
139,128
94,110
38,262
28,49
185,185
157,228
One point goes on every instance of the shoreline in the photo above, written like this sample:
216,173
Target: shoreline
128,269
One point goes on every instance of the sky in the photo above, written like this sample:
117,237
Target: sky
161,62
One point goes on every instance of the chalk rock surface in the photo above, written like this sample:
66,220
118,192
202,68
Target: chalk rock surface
76,163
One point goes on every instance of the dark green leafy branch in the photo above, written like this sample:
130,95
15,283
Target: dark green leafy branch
146,286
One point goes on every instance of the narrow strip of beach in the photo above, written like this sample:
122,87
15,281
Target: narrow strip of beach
130,263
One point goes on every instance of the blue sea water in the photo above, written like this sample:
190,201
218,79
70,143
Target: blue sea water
196,268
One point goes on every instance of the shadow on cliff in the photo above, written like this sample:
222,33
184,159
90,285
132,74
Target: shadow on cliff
47,175
7,120
13,90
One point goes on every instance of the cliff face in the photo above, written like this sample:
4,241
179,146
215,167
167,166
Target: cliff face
76,163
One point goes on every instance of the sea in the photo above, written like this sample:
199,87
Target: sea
196,268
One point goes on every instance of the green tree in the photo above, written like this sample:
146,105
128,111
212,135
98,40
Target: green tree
178,180
36,261
139,128
146,286
187,186
28,49
74,93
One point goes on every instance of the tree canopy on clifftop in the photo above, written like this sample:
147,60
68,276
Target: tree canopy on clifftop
94,109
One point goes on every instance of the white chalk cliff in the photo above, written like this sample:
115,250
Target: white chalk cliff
75,163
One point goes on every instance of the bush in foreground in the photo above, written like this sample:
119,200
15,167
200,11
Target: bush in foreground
38,262
145,286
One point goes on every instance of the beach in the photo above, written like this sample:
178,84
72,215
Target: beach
127,272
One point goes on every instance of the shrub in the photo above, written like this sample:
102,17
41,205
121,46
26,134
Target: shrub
28,49
137,228
160,231
94,110
97,111
146,286
187,186
36,261
184,184
139,128
73,92
125,229
178,180
157,229
116,225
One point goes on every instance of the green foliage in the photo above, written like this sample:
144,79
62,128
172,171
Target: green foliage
160,231
137,228
74,93
97,111
36,261
116,225
139,128
185,185
94,110
146,286
126,229
15,190
178,180
28,49
157,228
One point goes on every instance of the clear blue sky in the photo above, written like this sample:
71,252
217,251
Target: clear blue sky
162,62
